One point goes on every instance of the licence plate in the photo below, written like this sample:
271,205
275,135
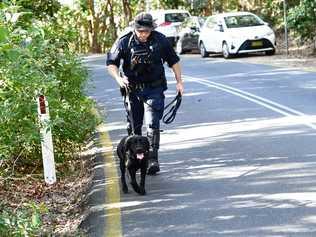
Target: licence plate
256,43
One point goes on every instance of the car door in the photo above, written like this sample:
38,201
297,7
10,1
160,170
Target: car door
212,35
185,34
206,34
218,35
194,33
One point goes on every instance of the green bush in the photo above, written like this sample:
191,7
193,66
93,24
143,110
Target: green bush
302,19
24,221
35,59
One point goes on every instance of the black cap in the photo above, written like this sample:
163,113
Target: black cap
144,21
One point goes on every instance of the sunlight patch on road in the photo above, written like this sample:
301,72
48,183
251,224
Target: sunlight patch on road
219,173
224,217
112,126
198,135
277,200
120,205
309,219
295,228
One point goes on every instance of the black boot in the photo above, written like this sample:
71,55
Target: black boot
153,167
154,139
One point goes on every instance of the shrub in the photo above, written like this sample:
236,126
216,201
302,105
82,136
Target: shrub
24,221
34,61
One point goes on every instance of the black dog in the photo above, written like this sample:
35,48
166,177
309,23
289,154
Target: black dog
133,154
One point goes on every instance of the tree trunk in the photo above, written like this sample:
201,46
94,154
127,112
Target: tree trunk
112,22
127,12
94,23
314,49
209,8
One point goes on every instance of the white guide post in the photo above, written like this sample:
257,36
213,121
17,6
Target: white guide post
47,141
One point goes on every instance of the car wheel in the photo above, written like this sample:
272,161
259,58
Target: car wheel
270,52
203,51
179,48
225,50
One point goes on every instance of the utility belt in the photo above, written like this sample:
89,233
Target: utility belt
143,85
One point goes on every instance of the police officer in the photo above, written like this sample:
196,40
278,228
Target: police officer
143,52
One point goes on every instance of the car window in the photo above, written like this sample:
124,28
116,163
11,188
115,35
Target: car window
176,17
242,21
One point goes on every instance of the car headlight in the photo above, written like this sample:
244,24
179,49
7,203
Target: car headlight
270,33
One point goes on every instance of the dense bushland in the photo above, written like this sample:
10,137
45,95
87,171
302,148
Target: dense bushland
36,59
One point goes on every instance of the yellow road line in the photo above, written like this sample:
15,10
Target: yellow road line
113,225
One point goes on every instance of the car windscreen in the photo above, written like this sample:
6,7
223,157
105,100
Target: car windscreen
242,21
176,17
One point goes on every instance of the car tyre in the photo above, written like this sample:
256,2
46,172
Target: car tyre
270,52
203,51
225,50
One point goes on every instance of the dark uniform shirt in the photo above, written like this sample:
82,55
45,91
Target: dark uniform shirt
150,69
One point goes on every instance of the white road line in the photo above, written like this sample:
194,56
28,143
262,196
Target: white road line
295,112
276,107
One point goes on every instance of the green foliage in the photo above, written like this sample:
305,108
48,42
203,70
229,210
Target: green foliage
175,4
69,28
271,12
24,221
41,9
36,59
302,19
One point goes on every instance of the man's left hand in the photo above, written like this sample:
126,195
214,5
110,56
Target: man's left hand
180,87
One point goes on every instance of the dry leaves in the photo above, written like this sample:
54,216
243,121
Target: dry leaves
64,199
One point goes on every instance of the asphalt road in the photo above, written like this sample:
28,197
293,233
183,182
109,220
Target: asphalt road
239,160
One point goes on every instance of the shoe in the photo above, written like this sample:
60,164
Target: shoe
153,167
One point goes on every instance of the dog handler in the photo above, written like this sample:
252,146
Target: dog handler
143,52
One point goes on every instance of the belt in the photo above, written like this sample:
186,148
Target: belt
143,85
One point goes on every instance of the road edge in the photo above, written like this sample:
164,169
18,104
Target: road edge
104,195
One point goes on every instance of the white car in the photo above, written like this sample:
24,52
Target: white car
168,22
236,33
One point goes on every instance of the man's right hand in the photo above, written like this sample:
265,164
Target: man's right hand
122,81
114,72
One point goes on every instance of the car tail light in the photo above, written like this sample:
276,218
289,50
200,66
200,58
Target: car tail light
167,23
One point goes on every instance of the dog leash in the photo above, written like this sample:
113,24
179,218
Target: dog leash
128,107
169,116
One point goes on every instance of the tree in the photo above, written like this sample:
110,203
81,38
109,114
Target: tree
94,25
40,9
302,19
127,11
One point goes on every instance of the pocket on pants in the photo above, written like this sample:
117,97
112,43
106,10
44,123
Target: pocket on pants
155,105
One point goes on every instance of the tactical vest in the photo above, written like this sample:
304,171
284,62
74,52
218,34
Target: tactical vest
144,56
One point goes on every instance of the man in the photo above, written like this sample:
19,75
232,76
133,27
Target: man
143,53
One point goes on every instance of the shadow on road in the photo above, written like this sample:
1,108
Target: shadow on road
235,170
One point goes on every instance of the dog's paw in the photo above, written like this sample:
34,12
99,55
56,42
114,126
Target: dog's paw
125,189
